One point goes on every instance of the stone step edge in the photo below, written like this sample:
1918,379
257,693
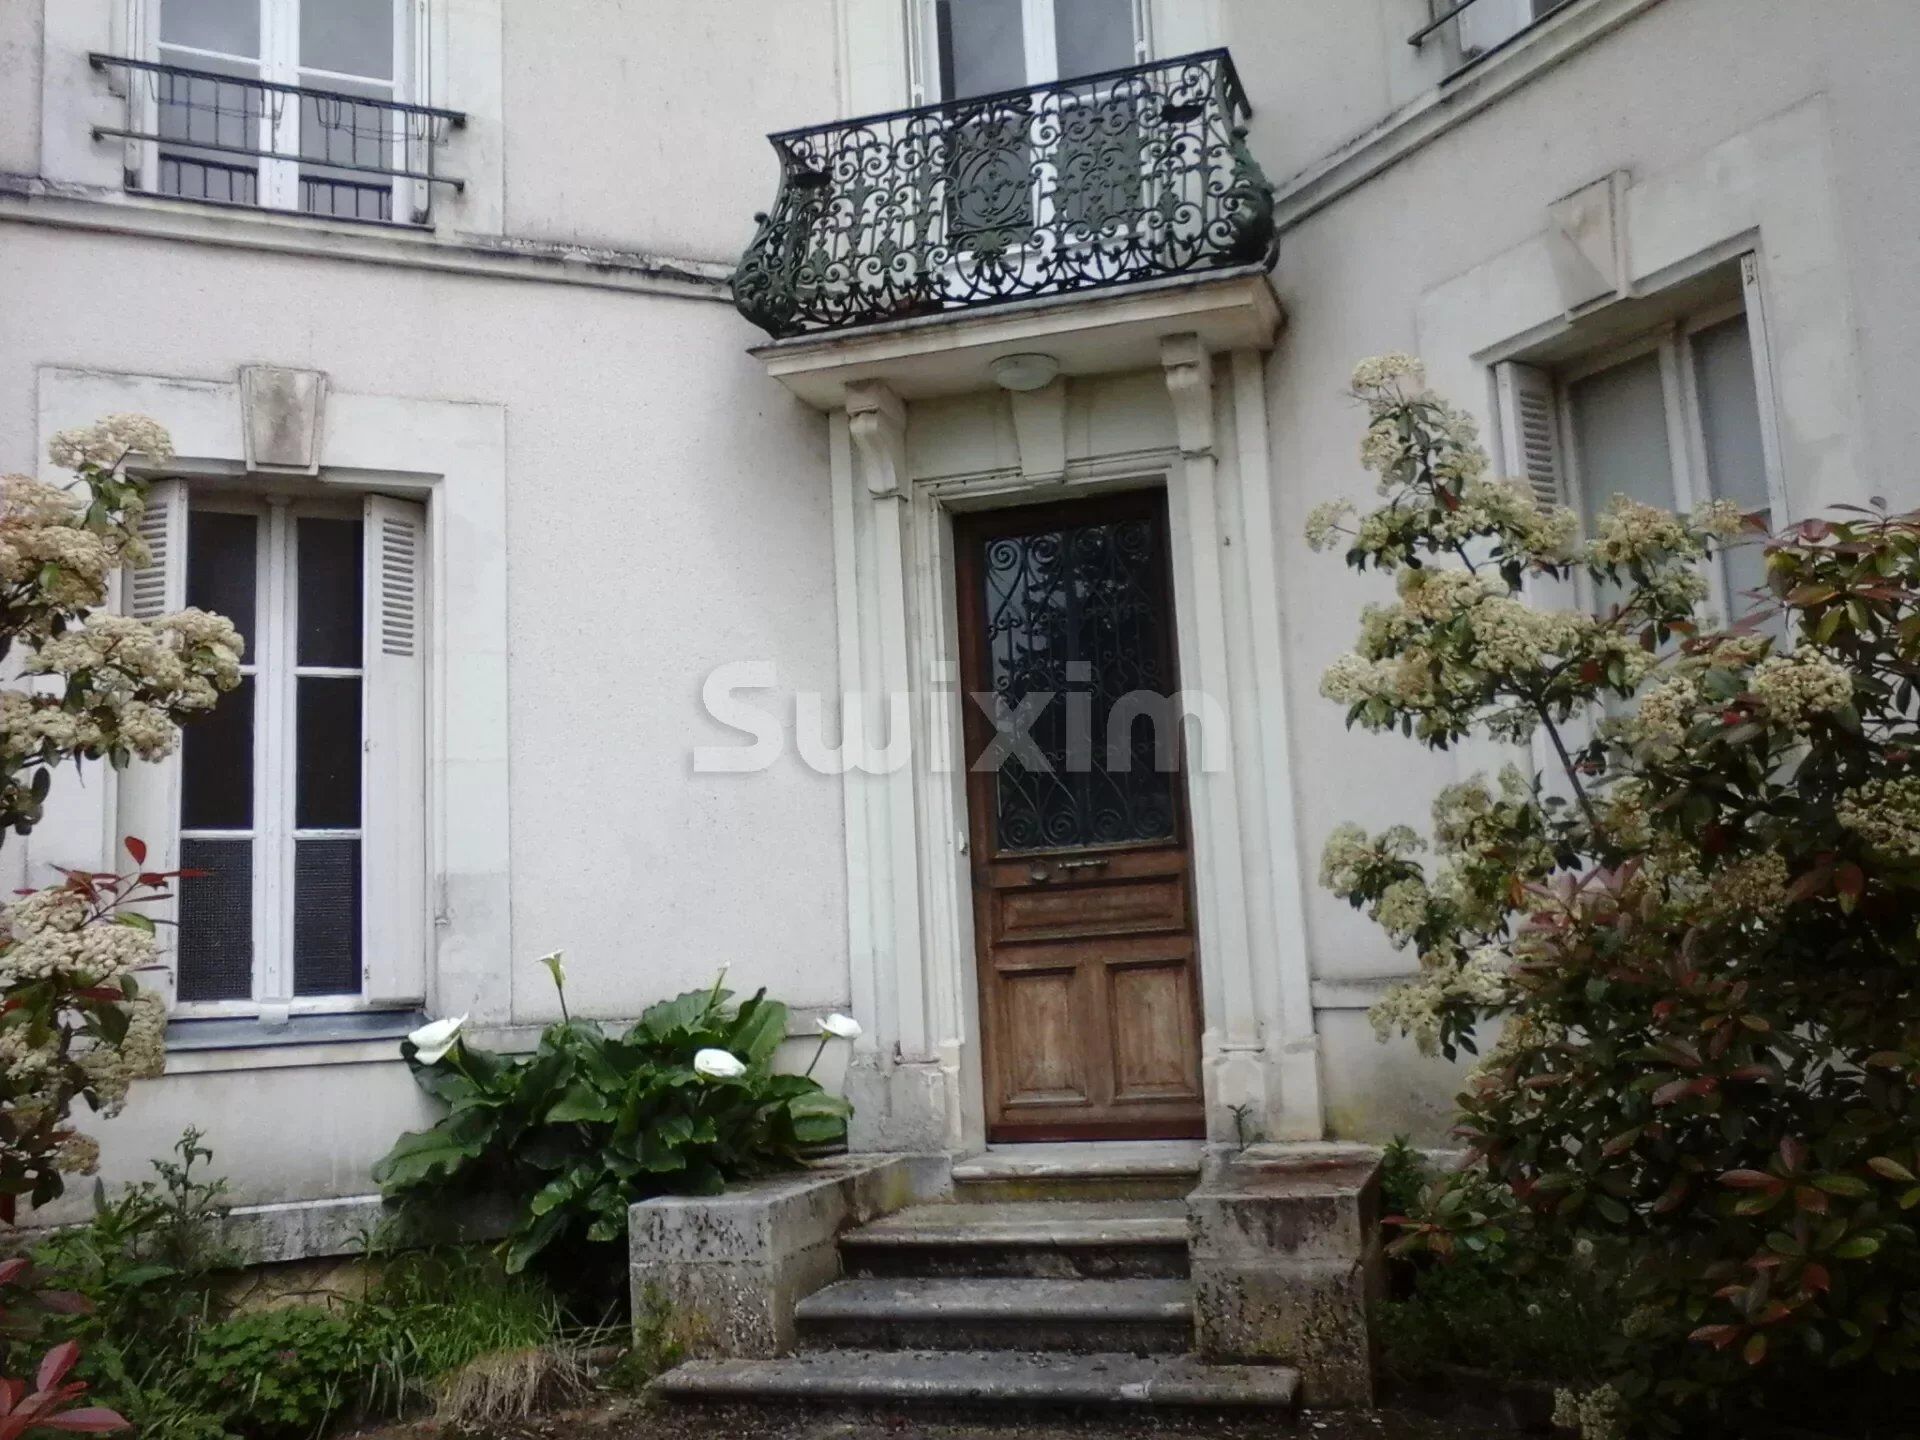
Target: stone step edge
1039,1236
953,1300
985,1377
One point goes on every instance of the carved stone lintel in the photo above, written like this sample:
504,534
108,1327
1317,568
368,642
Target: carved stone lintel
1189,370
1586,238
282,413
878,421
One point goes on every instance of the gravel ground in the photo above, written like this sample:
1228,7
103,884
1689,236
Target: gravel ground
637,1420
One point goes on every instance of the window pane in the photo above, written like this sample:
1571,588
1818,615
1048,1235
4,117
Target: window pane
326,917
194,112
216,764
1736,461
329,565
1092,35
1620,434
230,26
327,769
222,557
216,920
350,37
983,46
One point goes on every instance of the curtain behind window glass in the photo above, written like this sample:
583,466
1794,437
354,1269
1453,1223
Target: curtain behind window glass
983,47
1620,440
1093,35
1736,461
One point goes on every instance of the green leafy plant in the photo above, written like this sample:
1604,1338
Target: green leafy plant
681,1103
282,1374
1701,927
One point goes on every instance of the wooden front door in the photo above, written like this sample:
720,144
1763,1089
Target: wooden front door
1082,873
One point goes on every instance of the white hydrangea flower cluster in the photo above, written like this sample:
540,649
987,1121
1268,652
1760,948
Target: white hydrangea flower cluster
1392,371
142,1055
49,933
1799,687
1628,531
1754,885
45,542
1885,814
106,443
1325,521
1598,1414
1665,713
1417,1008
1350,853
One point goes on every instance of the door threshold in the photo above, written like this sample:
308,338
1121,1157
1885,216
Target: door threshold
1082,1159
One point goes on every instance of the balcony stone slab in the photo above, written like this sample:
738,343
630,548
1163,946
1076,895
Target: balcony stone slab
1097,332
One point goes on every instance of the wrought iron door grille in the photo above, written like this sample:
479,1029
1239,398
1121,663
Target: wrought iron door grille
208,135
1109,179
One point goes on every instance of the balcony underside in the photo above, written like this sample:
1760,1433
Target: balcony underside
1102,332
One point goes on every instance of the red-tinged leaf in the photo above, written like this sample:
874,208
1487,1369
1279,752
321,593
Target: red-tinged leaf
137,848
104,994
1813,1201
10,1393
1815,1277
1672,1092
1756,1349
64,1302
12,1270
1813,883
1851,881
1887,1060
1752,1180
1793,1153
1811,594
59,1360
1890,1169
88,1420
1718,1336
1675,1194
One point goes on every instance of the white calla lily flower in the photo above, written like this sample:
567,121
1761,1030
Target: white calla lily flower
719,1065
841,1027
431,1042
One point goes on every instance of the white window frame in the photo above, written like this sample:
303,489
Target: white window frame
1039,31
279,63
1691,484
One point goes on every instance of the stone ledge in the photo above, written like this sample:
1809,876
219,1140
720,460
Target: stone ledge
732,1267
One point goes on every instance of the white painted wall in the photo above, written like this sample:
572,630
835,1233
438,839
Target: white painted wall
668,506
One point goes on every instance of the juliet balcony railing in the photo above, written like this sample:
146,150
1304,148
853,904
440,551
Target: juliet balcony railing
237,139
1105,180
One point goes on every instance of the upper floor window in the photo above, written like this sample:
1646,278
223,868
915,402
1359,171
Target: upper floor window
284,104
986,46
1674,417
1479,27
298,804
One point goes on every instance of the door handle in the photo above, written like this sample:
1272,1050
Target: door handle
1096,864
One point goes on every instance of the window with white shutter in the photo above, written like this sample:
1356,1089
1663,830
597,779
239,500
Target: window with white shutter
299,801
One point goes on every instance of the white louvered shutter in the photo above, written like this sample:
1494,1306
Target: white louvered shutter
1530,432
147,793
394,812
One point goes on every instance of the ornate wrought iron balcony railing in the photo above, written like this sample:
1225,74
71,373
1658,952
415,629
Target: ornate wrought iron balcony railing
1132,175
238,139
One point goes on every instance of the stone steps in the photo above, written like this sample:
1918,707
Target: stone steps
1105,1170
1058,1240
1135,1317
995,1378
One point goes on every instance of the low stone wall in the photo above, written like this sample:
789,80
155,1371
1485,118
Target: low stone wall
1286,1255
730,1268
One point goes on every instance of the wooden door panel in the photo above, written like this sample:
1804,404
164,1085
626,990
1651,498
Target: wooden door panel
1082,876
1150,1011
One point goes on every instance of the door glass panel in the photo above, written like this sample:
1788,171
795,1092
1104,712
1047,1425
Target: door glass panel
210,130
231,27
1091,36
216,764
348,37
1076,625
983,46
326,791
1736,461
223,552
216,919
326,917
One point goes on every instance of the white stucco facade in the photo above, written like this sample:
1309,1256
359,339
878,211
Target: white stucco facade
621,498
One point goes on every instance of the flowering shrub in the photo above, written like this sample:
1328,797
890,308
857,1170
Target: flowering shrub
1702,927
683,1102
73,1023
